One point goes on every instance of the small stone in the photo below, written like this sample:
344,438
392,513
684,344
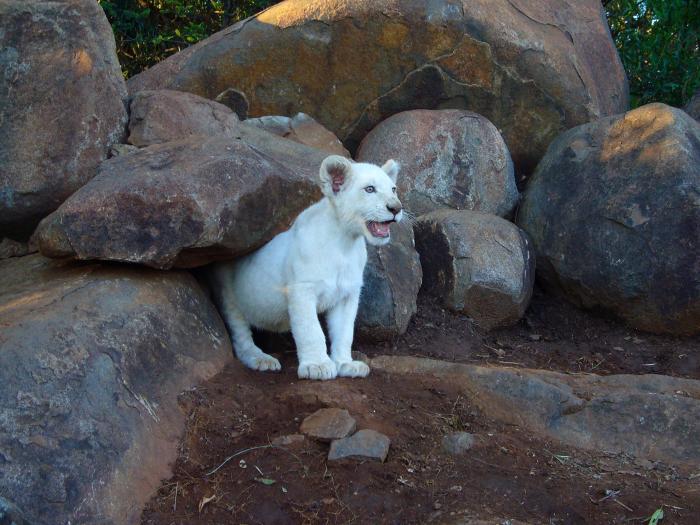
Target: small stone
236,101
328,424
303,129
365,444
360,356
457,443
122,149
11,248
288,440
535,337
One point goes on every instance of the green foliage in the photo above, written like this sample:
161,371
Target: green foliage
658,41
147,31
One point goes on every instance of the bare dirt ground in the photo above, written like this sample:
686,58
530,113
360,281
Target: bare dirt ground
553,335
510,475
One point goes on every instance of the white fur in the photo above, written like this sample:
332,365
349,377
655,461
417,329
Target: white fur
315,267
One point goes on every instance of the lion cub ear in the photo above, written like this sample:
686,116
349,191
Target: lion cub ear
391,168
335,174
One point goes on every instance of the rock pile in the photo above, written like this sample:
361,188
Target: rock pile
533,69
337,426
95,348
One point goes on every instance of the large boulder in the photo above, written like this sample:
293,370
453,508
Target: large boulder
165,115
303,129
186,203
61,105
614,213
449,159
477,264
533,68
392,279
92,359
651,417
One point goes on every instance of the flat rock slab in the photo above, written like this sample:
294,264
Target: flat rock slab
364,444
457,443
186,203
92,360
534,69
651,417
327,424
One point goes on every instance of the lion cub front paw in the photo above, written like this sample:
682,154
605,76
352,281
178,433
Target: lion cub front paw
266,363
352,369
317,370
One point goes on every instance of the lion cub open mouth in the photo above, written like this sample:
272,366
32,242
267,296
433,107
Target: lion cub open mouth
379,229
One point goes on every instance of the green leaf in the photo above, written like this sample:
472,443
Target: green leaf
265,481
657,516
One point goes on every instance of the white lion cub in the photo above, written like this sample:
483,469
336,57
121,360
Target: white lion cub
315,267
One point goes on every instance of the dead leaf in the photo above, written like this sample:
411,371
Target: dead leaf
204,501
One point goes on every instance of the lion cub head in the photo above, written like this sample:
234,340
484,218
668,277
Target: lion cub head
364,196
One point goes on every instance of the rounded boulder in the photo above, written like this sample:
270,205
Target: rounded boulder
478,264
61,105
614,213
449,159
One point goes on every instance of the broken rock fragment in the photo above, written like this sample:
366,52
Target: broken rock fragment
365,444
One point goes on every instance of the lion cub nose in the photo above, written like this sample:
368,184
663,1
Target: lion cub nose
394,208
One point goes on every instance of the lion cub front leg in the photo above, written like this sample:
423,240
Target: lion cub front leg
309,338
341,325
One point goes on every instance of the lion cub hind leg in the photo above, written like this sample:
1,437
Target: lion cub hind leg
242,337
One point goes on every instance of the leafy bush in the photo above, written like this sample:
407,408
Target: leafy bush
147,31
658,41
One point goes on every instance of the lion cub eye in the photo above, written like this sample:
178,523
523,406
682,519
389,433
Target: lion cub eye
370,189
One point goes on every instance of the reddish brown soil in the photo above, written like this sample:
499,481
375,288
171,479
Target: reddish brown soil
553,335
511,474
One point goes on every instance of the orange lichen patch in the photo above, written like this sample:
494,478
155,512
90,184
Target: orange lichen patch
471,63
437,41
652,153
637,127
82,62
393,35
294,12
